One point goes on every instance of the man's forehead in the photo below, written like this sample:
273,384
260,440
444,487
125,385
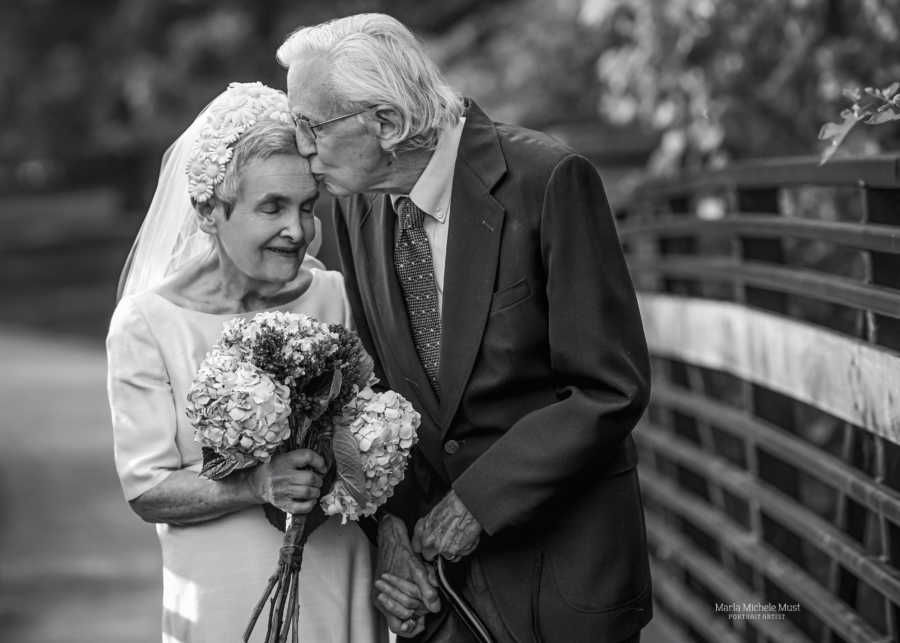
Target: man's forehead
306,86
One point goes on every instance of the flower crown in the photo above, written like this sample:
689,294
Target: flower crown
226,119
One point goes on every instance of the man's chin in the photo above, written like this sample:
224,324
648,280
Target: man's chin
335,190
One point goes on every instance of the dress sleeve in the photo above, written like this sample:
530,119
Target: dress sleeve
348,311
337,304
141,402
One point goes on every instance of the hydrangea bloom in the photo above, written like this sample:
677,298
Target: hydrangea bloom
238,409
383,430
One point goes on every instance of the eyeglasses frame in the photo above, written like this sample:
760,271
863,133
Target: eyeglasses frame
302,122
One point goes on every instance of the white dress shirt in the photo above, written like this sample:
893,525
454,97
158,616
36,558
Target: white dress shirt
431,194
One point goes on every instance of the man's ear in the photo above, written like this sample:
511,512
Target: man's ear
206,216
390,126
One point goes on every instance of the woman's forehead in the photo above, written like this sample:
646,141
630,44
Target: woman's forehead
286,174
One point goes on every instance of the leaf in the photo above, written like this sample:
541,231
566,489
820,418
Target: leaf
868,103
830,130
853,93
217,466
301,429
837,132
348,464
321,392
884,116
275,516
336,382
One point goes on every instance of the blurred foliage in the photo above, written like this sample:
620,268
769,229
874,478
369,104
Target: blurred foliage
724,79
85,83
102,86
871,105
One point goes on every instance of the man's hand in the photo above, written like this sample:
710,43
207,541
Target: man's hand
291,481
405,615
405,585
449,530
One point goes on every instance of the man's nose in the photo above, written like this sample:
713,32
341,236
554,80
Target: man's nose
305,143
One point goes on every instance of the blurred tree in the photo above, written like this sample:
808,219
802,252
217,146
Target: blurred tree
726,79
715,79
98,89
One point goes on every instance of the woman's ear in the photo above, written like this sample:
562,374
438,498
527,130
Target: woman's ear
390,126
206,216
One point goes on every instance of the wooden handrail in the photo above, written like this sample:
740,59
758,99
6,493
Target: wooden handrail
670,591
737,303
828,469
835,373
785,279
669,545
882,171
786,510
796,582
878,238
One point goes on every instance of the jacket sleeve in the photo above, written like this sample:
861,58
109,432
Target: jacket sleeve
598,357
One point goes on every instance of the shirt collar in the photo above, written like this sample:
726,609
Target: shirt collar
433,189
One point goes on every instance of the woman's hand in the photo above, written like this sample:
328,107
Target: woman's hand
405,587
399,601
291,481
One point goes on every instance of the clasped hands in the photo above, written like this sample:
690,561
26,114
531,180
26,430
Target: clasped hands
406,586
406,583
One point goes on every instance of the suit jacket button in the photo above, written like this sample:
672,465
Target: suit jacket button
451,447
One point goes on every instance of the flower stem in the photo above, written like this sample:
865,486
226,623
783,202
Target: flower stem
295,617
273,579
283,586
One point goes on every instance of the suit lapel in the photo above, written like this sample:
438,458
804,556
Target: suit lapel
473,249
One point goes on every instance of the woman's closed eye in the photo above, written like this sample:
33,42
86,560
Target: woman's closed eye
277,206
273,206
309,206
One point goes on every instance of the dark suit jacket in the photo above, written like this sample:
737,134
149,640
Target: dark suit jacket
544,372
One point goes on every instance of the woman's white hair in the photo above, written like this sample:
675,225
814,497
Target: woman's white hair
266,138
374,59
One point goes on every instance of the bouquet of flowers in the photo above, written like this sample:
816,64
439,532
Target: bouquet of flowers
281,381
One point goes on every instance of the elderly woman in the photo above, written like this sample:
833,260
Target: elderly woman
226,236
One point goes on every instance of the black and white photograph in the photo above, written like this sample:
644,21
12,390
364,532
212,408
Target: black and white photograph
526,321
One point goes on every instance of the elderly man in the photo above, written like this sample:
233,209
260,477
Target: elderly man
487,280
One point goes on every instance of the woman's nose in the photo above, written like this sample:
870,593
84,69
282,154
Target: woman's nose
293,228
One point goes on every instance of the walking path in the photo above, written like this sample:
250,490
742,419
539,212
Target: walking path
76,566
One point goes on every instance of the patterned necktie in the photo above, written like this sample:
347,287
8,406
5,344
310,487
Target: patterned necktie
415,269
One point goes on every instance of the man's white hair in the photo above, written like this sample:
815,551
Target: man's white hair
374,59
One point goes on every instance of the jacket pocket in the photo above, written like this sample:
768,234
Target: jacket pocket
597,557
510,296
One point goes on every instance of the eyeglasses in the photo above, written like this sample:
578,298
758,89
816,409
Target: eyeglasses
309,129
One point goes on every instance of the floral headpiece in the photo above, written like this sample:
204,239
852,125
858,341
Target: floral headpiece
230,114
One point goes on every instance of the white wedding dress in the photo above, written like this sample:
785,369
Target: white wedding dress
215,571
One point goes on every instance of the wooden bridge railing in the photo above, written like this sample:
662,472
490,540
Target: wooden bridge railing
770,294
